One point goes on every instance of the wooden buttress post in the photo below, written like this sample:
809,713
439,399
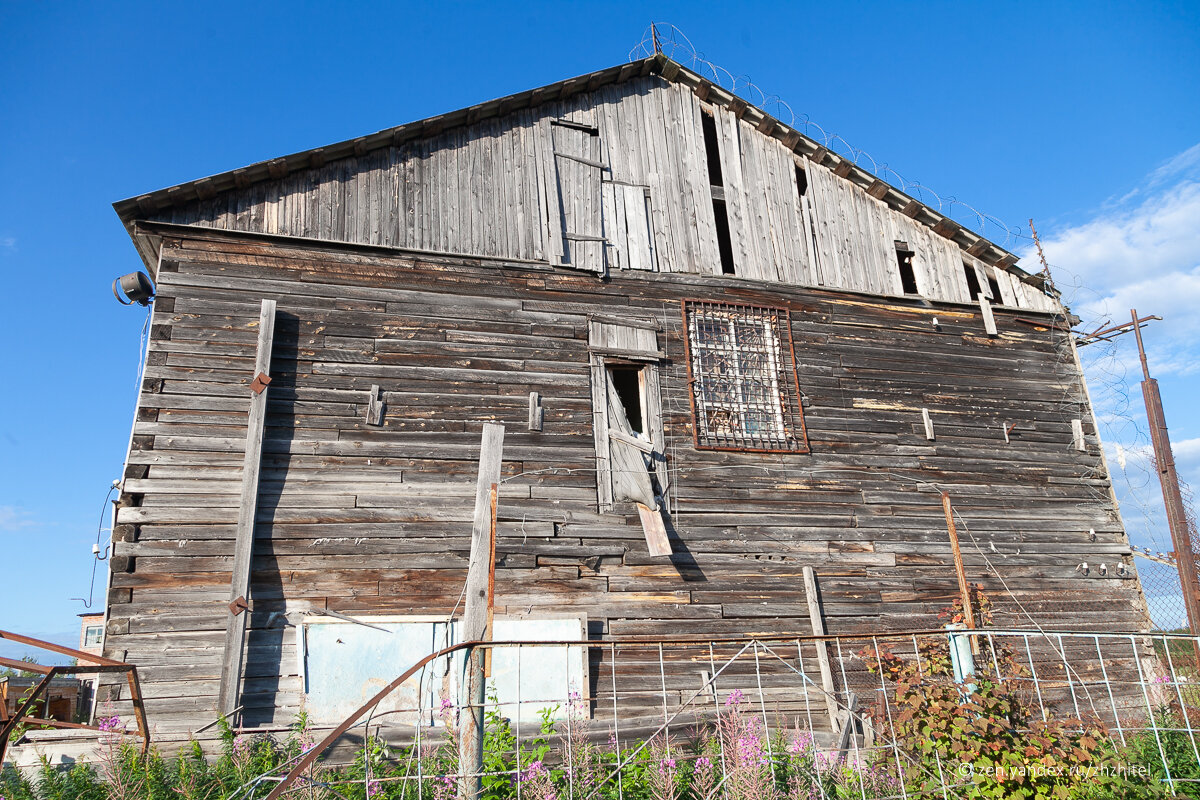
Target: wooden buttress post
239,587
477,616
964,589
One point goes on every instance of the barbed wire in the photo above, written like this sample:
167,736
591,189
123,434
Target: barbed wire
675,45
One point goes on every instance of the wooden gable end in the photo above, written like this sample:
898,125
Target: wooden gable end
606,180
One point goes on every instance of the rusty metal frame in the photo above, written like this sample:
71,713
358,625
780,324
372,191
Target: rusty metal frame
803,447
98,665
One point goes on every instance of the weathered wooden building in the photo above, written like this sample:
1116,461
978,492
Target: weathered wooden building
633,261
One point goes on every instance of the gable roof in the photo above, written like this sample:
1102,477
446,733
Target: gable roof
154,203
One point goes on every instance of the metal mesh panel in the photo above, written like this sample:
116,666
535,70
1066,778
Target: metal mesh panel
743,378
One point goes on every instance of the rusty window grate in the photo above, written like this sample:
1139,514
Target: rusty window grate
742,370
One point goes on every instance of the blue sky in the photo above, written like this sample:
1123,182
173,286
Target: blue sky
1080,115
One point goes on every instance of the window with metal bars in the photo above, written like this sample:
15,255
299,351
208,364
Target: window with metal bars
742,370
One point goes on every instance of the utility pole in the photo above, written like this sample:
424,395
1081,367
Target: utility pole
1177,519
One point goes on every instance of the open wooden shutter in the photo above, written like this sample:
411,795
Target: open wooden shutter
577,170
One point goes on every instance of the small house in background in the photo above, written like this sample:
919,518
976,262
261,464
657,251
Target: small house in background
91,640
91,633
722,353
61,701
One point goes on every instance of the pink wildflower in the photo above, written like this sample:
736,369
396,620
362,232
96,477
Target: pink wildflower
800,743
109,724
735,698
374,788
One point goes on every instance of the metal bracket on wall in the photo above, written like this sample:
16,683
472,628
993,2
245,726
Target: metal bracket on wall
239,605
260,382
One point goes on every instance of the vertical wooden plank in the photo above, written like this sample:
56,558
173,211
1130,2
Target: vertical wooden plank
235,628
1077,434
600,431
1008,295
475,617
928,423
652,392
375,406
817,619
649,125
637,228
989,320
537,414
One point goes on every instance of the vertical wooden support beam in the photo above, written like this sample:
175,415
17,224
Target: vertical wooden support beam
1077,434
239,588
989,320
817,619
928,423
964,589
475,618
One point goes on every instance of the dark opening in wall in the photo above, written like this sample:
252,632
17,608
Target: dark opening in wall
908,276
710,148
711,151
994,285
801,180
628,383
724,243
972,281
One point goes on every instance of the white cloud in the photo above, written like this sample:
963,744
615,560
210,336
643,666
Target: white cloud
8,243
13,519
1140,250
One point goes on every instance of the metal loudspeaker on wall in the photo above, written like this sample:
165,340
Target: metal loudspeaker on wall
136,288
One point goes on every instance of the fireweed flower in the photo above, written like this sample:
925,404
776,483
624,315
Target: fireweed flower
374,788
735,698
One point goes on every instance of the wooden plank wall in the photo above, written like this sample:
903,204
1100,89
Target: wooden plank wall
493,189
368,519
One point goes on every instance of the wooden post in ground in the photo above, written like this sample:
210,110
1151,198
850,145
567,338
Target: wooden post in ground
476,616
816,618
239,587
964,589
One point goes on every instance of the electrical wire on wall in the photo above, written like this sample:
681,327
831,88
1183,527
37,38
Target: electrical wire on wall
98,555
